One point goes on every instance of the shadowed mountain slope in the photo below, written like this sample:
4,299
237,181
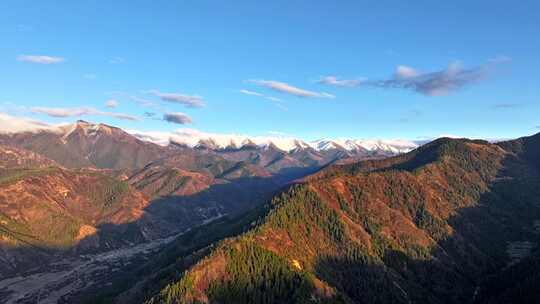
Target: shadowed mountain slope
430,226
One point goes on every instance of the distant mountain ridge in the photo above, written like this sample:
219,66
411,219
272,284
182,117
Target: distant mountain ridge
169,188
194,139
85,144
444,223
356,221
292,144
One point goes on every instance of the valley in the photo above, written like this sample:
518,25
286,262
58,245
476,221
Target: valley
57,281
269,152
257,223
106,216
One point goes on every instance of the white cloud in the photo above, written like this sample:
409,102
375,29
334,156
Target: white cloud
62,112
177,118
190,101
334,81
40,59
438,83
157,137
12,124
253,93
403,72
122,116
111,103
143,102
289,89
272,98
247,92
81,111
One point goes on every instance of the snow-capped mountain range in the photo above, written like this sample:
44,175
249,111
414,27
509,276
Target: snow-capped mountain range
218,141
197,139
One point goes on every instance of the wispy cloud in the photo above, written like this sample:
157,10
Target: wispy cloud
247,92
190,101
111,103
152,116
80,111
286,88
13,124
118,115
271,98
442,82
143,102
177,118
62,112
335,81
40,59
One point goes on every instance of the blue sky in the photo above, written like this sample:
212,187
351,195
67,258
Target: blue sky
310,69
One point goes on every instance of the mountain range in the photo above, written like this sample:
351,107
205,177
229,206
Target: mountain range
193,138
108,216
103,188
455,221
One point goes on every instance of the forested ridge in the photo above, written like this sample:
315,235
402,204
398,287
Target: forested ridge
431,226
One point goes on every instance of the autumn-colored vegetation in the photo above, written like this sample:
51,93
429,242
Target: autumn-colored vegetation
425,227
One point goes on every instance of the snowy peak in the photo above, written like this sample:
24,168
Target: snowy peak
208,141
248,144
87,129
207,144
325,145
300,146
289,144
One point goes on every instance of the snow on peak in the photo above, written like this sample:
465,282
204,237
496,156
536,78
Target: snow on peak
194,138
325,144
191,137
87,128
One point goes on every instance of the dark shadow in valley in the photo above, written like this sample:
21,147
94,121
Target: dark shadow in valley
203,218
457,269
